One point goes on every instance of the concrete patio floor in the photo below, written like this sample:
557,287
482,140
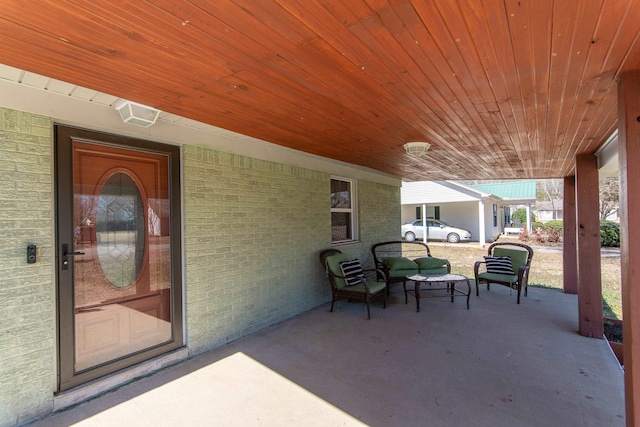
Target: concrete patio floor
497,364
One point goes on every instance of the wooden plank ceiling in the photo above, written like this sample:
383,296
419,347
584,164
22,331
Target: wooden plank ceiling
500,88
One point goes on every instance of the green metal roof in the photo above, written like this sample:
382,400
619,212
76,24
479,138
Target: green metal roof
509,190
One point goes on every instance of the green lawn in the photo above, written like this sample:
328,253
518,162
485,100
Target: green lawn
546,271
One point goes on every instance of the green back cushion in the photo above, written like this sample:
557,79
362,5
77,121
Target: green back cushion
333,264
400,263
518,258
429,263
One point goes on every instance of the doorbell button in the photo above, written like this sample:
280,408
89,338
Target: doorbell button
31,254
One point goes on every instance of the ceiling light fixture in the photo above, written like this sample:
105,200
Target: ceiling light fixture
136,114
417,149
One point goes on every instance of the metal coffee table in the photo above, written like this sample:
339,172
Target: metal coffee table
449,280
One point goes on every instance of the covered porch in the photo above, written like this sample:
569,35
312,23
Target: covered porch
303,94
497,363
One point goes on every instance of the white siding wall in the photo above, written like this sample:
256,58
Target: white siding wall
462,215
408,214
491,232
421,191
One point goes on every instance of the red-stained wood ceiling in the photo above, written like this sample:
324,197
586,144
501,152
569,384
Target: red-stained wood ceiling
500,88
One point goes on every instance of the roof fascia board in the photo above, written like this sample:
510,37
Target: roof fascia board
71,111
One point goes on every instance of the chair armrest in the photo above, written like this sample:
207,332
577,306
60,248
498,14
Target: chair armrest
476,267
379,273
383,271
523,274
381,265
363,279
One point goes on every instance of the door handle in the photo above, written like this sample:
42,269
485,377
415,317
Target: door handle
66,254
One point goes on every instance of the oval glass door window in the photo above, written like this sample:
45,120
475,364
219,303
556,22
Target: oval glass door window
120,230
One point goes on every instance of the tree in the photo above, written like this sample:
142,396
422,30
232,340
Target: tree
550,189
520,217
609,197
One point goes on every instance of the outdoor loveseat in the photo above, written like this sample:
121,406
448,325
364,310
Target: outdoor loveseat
398,259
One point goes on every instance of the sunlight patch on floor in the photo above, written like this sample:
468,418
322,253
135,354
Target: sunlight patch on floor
235,391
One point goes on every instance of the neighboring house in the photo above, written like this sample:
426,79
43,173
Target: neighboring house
514,194
547,211
484,213
229,248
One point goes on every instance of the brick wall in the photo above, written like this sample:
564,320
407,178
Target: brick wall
26,290
253,229
379,210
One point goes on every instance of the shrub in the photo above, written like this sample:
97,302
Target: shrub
539,236
535,225
520,216
524,236
609,234
555,224
553,235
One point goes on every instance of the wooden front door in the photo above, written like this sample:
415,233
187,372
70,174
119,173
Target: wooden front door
119,252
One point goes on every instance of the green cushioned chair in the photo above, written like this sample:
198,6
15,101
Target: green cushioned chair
520,256
367,288
399,259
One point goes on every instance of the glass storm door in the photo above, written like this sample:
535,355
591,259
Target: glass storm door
118,253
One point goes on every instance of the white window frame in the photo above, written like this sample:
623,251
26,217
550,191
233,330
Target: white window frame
353,211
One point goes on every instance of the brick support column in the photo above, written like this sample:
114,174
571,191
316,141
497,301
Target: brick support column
569,255
588,247
629,156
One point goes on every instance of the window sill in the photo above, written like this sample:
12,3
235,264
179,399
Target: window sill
346,242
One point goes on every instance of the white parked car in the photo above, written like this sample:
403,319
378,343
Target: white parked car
436,230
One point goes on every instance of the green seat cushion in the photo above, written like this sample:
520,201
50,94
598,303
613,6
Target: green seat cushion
400,263
430,262
373,287
518,258
494,277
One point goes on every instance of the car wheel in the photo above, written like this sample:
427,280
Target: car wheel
410,236
453,238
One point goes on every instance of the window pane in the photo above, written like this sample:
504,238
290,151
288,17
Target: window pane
340,194
120,230
122,280
340,226
430,212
